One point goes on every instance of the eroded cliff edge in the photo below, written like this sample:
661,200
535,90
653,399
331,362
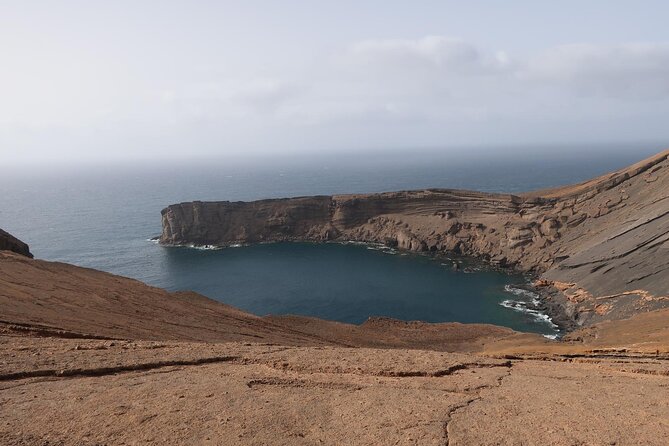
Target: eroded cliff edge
10,243
93,358
603,244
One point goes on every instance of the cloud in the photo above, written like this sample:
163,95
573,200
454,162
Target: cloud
406,81
633,70
227,98
624,71
432,90
444,54
443,81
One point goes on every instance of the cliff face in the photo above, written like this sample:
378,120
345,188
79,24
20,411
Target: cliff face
435,220
603,243
93,358
10,243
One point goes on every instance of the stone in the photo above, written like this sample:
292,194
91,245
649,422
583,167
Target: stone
10,243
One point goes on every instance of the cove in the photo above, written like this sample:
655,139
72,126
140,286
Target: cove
350,283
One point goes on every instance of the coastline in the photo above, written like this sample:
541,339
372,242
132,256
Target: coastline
173,368
597,241
541,310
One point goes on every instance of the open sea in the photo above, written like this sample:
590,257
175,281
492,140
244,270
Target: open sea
103,218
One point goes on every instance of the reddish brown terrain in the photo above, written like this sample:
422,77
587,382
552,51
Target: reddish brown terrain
89,358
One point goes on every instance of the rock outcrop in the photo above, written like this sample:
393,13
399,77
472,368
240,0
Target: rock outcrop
92,358
10,243
602,244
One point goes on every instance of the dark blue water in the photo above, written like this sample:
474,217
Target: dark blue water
346,283
102,218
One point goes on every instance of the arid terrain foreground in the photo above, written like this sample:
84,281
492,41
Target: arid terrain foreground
89,358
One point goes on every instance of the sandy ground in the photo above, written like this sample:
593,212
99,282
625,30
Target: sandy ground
88,358
89,392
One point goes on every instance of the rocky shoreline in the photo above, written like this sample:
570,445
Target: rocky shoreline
555,308
549,304
93,358
596,247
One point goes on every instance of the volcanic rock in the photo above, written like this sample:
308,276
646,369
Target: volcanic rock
603,239
10,243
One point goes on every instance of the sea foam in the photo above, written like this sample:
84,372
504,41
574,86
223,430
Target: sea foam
530,307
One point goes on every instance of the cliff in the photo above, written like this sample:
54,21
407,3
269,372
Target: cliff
10,243
602,243
53,299
40,298
92,358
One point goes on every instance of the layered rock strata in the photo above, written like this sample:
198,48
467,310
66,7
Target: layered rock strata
603,244
92,358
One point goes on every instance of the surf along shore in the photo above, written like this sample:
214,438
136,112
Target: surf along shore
595,249
93,358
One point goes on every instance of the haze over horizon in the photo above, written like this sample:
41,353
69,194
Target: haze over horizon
126,81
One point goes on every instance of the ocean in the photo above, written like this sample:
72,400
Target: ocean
104,218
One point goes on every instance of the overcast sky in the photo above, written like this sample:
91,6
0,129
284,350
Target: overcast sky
85,81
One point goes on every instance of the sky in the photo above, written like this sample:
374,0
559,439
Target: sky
98,82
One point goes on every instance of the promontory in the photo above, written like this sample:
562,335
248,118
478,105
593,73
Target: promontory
600,249
90,358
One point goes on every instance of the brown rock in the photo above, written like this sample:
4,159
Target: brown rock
10,243
581,234
187,370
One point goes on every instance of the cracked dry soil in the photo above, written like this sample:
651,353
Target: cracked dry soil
198,393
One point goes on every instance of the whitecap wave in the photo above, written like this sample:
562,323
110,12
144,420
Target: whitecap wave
529,307
353,242
205,247
371,246
523,292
